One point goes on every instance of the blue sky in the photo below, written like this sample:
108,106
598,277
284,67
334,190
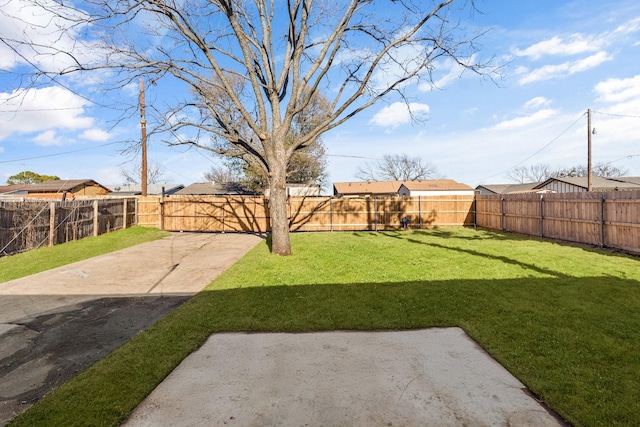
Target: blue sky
560,59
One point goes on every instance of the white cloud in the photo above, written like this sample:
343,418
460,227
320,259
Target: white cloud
48,138
523,122
39,110
95,134
565,69
618,90
538,101
41,35
630,26
575,44
399,113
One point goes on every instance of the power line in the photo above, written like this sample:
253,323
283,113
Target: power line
630,156
616,115
352,157
31,110
57,154
539,151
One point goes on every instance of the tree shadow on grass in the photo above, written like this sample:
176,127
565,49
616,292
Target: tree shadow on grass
501,258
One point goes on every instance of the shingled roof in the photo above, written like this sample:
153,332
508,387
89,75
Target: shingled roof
57,186
435,185
366,188
214,189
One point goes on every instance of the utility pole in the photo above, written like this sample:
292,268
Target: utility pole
589,171
143,129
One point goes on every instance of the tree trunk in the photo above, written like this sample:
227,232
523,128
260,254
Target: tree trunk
280,242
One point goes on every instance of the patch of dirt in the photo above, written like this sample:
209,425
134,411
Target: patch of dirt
43,352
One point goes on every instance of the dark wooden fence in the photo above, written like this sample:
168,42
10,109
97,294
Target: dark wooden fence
30,224
609,219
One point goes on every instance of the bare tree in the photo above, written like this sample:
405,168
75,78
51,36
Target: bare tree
222,174
308,162
534,173
155,173
397,167
600,169
284,52
542,172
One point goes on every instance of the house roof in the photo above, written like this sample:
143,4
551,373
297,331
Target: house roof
597,183
367,187
435,185
136,189
631,179
214,189
55,186
510,188
12,189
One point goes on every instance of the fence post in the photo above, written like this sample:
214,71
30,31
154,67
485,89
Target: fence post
96,222
542,215
162,212
475,210
420,210
375,213
502,213
52,223
136,213
331,213
602,222
124,214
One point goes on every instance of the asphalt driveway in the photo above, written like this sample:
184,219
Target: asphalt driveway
56,323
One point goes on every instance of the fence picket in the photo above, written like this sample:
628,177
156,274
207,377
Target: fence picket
28,224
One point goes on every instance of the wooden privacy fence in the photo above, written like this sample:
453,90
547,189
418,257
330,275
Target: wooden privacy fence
251,214
609,219
29,224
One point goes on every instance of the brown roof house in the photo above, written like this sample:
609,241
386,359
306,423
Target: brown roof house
366,188
57,189
435,187
431,187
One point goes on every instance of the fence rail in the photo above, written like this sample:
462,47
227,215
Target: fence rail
29,224
609,219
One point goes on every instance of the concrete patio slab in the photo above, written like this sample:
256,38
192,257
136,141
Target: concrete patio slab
436,377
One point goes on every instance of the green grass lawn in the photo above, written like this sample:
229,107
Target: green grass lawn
563,319
46,258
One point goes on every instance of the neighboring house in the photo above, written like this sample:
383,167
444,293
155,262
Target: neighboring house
152,189
507,188
435,187
366,188
440,187
300,190
58,189
214,189
579,184
16,190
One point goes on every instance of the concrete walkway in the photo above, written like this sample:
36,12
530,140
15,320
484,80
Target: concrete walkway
181,264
